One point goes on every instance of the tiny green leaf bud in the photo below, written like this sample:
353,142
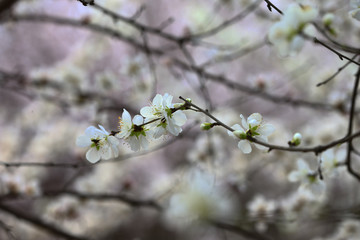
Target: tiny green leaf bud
206,126
240,134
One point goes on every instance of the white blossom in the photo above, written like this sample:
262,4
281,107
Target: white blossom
309,179
170,121
133,131
355,5
284,35
331,160
261,210
199,199
102,144
252,127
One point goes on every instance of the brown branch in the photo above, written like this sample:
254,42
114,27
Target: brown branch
316,149
131,201
350,126
32,219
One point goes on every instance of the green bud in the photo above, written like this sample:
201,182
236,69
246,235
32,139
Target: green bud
206,126
296,140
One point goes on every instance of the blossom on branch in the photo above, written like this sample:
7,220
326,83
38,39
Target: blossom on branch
102,144
309,179
253,127
135,132
170,118
285,34
330,161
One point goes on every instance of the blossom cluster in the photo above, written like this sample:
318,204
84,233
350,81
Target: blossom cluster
161,118
285,35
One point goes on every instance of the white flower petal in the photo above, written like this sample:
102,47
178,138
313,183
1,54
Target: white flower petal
126,118
254,119
144,142
147,112
243,122
294,176
157,101
105,152
103,130
266,129
138,120
134,143
244,146
179,118
92,155
83,141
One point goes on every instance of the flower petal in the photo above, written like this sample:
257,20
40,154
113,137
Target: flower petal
179,118
147,112
83,141
266,129
138,120
243,122
294,176
92,155
126,118
254,119
244,146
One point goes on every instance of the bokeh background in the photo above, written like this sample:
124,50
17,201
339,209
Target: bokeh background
65,66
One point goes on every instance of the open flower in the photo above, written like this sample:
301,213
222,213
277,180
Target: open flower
102,145
309,179
134,132
330,161
285,34
170,121
252,127
200,198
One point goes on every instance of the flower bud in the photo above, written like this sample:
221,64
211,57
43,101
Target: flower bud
296,140
206,126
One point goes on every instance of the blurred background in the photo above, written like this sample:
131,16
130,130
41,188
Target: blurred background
65,66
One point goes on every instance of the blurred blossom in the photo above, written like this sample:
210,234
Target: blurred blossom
309,179
261,211
355,12
200,198
285,35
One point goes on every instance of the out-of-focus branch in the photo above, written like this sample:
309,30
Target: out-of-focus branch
134,202
29,218
336,73
178,63
6,5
